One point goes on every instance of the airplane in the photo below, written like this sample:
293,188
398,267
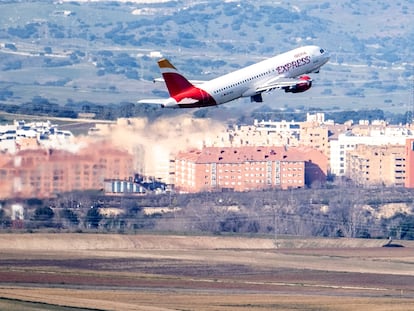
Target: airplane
287,71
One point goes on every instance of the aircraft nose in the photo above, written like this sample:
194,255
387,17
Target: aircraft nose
325,55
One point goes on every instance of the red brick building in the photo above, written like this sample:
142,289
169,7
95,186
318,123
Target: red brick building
248,168
409,163
43,173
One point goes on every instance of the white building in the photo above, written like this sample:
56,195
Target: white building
318,117
265,133
348,141
20,135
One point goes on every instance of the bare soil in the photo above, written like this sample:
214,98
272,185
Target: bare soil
150,272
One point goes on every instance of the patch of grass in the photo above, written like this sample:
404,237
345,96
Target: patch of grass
22,305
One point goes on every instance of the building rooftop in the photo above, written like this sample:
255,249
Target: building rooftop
14,137
241,154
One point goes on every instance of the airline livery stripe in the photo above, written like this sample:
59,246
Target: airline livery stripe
285,71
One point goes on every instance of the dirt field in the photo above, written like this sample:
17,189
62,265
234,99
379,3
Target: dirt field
149,272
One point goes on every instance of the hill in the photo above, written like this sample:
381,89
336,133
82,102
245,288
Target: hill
86,52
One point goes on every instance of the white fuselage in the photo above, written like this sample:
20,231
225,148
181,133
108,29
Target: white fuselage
286,71
244,82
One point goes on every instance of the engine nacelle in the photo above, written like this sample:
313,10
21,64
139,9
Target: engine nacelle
301,86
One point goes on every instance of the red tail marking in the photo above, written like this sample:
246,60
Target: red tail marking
176,83
184,92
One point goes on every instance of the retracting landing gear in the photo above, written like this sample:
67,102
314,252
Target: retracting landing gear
256,98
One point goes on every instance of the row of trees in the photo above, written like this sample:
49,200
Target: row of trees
44,217
345,211
43,107
221,27
40,106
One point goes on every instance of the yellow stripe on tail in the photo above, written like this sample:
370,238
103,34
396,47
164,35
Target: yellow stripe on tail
165,63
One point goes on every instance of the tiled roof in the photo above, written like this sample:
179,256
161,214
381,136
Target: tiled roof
241,154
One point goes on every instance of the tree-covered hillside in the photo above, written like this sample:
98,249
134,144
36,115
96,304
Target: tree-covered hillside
101,51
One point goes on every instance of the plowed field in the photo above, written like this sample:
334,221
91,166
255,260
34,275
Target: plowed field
149,272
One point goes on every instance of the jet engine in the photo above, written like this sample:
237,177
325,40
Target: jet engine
302,86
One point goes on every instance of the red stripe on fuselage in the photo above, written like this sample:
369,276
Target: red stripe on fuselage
201,98
185,93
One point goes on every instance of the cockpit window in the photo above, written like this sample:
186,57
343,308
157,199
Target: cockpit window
322,51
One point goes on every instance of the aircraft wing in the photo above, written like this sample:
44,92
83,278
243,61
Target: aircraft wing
283,83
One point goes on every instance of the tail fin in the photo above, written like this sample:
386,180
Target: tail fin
176,82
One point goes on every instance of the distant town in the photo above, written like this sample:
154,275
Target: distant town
41,160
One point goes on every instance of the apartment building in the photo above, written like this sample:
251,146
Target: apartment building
346,142
315,135
264,133
21,135
409,163
46,172
377,165
248,168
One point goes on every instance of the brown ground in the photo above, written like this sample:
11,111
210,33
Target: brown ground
149,272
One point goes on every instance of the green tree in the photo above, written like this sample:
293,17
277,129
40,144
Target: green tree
34,201
70,216
43,217
43,214
93,218
4,220
407,228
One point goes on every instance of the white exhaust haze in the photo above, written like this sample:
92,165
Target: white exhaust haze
155,143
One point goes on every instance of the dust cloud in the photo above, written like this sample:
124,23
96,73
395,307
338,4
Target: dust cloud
154,143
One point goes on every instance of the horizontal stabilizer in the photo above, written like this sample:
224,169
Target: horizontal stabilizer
195,82
164,103
153,101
